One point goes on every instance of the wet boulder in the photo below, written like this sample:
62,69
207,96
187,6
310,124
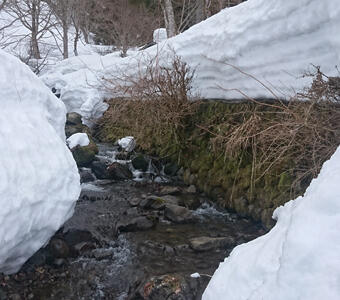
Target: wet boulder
118,171
99,168
140,163
210,243
86,175
135,224
73,124
170,190
177,214
171,169
171,287
59,248
84,155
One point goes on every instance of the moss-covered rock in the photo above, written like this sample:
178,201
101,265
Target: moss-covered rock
140,163
84,156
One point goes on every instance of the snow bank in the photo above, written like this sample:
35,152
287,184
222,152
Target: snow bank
78,139
160,35
276,41
39,181
299,258
128,143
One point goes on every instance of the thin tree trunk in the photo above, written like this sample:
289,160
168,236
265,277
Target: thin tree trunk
200,11
34,34
86,35
75,43
65,39
170,18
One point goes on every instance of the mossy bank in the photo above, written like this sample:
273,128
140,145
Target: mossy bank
228,180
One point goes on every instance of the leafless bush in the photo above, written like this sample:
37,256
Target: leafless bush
295,136
156,100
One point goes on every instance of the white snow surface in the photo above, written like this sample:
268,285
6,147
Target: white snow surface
276,41
128,143
298,259
160,35
39,181
78,139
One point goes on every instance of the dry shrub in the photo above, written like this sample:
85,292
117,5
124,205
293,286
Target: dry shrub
295,136
155,101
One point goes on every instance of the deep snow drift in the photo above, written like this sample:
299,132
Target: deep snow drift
299,258
275,41
39,181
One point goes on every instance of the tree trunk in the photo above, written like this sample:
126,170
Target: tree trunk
65,39
200,11
34,34
75,43
169,18
86,35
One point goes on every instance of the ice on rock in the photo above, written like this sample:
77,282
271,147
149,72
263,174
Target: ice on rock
78,139
298,258
39,181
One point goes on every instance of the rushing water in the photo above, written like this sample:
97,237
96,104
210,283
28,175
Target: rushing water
138,262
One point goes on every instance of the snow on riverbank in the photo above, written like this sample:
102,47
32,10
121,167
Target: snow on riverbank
78,139
298,258
39,181
276,41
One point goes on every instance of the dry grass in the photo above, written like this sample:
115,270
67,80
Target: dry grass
155,101
296,136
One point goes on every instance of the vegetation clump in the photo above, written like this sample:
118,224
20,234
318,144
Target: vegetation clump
251,157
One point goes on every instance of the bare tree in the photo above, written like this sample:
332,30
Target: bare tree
34,15
63,10
169,17
81,21
124,24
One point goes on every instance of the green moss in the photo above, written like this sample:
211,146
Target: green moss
227,178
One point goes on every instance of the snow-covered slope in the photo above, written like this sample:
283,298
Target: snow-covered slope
276,41
298,259
39,181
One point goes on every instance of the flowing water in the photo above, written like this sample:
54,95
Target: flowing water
116,248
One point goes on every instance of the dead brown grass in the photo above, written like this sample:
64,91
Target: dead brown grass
295,136
155,101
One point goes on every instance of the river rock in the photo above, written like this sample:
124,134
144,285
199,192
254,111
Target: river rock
123,155
119,172
135,201
177,214
171,169
88,194
134,224
84,155
171,287
153,202
59,248
73,118
209,243
73,124
140,163
86,175
74,237
101,254
191,189
170,190
15,297
99,168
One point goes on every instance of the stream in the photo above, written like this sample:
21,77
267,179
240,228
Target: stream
141,238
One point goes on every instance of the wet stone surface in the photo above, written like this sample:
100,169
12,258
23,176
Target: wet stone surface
123,243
